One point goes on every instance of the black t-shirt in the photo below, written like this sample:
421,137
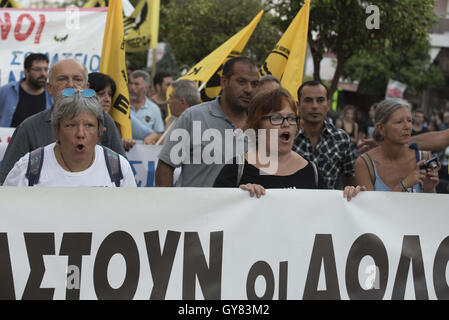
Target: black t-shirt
423,130
301,179
27,106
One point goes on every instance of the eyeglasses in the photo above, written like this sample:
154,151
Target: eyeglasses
277,119
86,93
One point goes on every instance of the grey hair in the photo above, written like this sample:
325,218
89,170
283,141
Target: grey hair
141,74
384,110
269,78
73,106
50,70
188,90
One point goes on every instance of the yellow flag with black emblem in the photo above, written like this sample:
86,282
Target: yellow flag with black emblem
208,71
9,4
286,60
113,64
96,3
142,27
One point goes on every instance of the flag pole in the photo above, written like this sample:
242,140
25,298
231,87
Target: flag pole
153,70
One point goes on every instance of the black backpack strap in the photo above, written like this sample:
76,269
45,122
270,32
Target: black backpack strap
112,159
415,147
315,170
35,166
370,165
241,166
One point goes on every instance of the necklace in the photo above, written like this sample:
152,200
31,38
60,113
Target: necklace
67,166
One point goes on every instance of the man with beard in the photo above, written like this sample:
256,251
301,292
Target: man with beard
161,82
227,112
320,141
21,99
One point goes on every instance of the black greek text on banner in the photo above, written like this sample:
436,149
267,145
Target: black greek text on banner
198,243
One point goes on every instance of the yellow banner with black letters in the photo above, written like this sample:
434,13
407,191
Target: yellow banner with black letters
286,60
113,63
208,71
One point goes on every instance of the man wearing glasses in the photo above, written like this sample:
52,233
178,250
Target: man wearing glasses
320,141
36,131
21,99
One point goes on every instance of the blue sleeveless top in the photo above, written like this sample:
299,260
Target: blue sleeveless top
379,185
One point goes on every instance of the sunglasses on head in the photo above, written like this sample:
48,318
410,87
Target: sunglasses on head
86,93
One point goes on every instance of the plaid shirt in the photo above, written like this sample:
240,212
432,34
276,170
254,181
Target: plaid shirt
333,155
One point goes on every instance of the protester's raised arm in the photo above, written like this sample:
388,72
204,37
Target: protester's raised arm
432,141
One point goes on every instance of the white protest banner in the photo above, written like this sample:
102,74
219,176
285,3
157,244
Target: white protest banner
59,33
204,243
143,160
395,89
6,134
3,147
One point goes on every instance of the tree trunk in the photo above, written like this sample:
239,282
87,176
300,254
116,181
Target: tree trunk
337,74
317,57
316,67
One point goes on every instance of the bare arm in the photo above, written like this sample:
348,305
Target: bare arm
433,141
164,175
362,176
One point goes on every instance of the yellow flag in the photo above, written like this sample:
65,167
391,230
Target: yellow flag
286,61
208,71
9,4
96,3
113,64
142,27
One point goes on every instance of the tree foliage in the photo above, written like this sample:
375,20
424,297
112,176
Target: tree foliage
340,27
411,67
195,28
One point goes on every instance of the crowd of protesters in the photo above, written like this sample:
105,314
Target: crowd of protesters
310,149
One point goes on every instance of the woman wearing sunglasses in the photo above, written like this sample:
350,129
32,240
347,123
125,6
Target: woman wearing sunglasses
74,159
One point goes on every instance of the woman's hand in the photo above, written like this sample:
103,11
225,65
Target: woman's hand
350,191
428,177
431,179
256,189
416,176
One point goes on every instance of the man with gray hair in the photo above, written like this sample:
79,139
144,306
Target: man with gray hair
184,94
36,131
147,112
267,83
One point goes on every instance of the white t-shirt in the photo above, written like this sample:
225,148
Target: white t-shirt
53,175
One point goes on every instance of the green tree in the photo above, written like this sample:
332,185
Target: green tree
412,67
340,27
195,28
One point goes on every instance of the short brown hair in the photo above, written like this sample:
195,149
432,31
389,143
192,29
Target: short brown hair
265,102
